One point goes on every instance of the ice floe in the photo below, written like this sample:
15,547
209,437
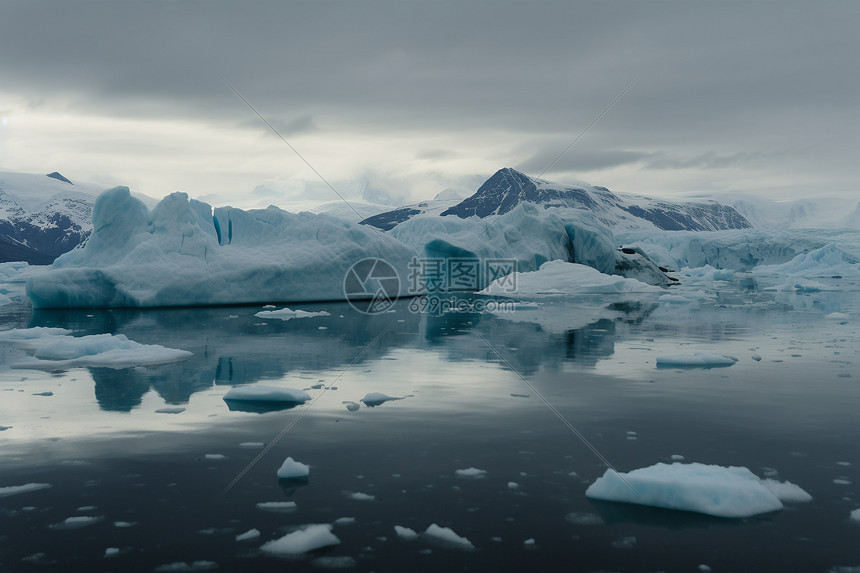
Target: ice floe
562,278
26,488
448,537
733,492
288,314
695,360
373,399
308,538
261,393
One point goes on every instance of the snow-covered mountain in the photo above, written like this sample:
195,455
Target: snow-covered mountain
43,216
507,188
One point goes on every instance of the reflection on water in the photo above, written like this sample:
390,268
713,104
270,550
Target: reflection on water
104,440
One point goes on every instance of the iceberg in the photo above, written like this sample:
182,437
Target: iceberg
448,536
732,492
183,254
562,278
291,469
306,539
261,393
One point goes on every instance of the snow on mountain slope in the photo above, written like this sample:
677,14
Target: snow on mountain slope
42,216
507,188
816,213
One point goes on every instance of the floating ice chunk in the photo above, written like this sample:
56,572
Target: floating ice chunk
695,360
288,314
447,535
55,348
308,538
344,521
474,473
277,506
124,524
756,357
581,518
704,568
563,278
215,457
171,410
359,496
405,533
183,566
291,469
713,490
787,491
76,522
855,515
677,457
827,261
376,398
248,535
838,316
251,444
513,485
26,488
111,552
260,393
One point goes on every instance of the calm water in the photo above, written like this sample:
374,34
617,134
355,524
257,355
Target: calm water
129,447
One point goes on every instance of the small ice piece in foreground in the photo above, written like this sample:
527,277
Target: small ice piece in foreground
76,522
677,457
854,515
704,568
183,566
170,410
16,489
288,314
358,496
530,542
124,524
756,357
248,535
405,533
344,521
474,473
513,485
279,506
251,445
695,360
838,316
377,398
260,393
111,552
215,457
308,538
713,490
447,535
291,469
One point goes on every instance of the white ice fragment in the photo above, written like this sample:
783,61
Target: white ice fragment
359,496
405,533
471,472
447,535
215,457
278,506
530,542
292,469
170,410
377,398
695,360
854,515
288,314
251,444
111,552
713,490
513,485
838,316
248,535
756,357
17,489
704,568
76,522
124,524
261,393
308,538
677,457
344,521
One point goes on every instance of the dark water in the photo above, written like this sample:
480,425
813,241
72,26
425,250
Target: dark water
101,442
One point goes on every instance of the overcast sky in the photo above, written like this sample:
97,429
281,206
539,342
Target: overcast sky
727,97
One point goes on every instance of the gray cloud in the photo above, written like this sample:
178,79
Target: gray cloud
718,83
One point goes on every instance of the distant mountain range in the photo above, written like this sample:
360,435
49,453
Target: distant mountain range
507,188
42,216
